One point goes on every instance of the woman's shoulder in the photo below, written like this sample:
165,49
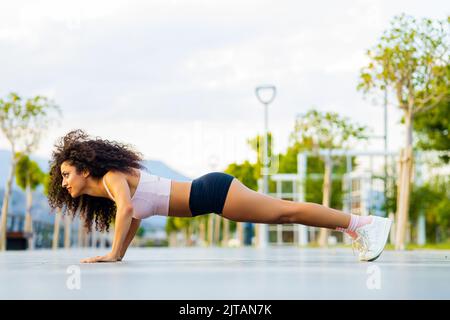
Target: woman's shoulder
117,173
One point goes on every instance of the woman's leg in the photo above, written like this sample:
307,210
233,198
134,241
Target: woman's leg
245,205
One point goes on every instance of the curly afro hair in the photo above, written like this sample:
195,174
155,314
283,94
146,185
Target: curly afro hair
98,157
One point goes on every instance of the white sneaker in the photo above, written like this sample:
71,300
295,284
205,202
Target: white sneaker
372,238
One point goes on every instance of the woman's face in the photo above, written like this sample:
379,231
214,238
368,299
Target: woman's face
72,181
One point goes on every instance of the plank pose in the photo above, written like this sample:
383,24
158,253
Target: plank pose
104,181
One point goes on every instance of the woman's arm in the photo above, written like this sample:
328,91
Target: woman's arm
121,228
120,190
124,217
131,233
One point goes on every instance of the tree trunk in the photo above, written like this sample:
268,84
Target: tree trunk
210,228
55,242
257,231
83,236
217,222
403,201
202,233
28,228
188,236
80,233
67,231
6,196
323,235
172,239
404,185
225,232
240,233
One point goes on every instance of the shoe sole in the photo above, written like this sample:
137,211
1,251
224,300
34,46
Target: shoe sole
387,228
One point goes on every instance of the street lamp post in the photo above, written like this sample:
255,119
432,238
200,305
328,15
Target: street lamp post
265,94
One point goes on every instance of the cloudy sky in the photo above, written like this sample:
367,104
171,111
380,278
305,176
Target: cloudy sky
176,79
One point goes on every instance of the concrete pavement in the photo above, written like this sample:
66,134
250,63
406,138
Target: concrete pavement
225,273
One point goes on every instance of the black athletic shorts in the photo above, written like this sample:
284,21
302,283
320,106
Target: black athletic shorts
208,193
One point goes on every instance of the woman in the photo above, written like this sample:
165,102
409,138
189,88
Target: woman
104,181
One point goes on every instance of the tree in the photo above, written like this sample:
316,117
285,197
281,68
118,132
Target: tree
315,165
246,172
28,177
433,128
433,199
332,131
170,227
184,224
256,144
410,60
23,122
327,131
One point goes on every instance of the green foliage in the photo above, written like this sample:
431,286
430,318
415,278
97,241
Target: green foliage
327,130
257,145
314,187
170,225
288,160
140,231
433,128
433,200
156,243
23,121
410,59
28,173
246,173
46,183
175,224
315,165
313,131
390,205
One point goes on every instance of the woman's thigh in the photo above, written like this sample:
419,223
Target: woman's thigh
246,205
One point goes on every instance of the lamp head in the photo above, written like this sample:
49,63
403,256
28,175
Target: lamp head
266,93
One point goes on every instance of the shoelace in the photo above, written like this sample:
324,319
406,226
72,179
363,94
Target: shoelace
360,243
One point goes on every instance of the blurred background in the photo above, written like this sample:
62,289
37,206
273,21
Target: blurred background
343,103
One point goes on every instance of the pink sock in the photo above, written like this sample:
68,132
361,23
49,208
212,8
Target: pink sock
356,221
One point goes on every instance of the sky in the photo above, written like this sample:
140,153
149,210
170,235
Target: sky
177,79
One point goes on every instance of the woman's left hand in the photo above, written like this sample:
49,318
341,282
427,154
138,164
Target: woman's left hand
106,258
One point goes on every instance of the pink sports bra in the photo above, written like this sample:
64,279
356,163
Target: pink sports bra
151,196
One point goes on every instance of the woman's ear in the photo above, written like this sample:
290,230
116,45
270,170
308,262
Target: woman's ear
86,173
